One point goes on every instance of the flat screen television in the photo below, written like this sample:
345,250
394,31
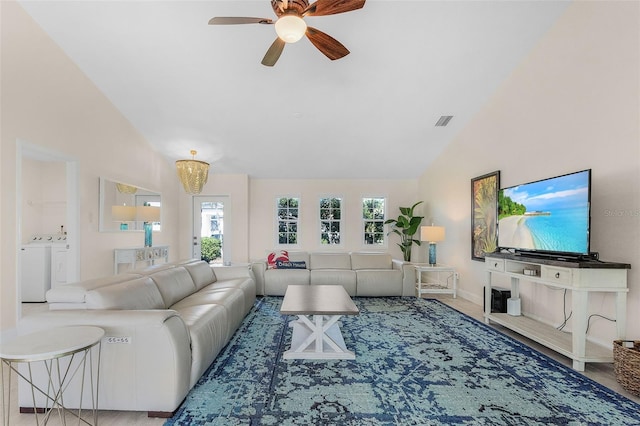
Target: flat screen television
548,217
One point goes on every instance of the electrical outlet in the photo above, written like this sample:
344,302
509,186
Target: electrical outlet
457,275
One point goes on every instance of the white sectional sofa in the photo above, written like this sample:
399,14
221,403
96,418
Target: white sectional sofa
164,327
360,273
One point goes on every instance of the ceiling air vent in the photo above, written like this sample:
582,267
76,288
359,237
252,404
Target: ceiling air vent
444,120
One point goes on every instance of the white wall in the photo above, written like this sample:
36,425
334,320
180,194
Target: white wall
44,195
263,196
572,104
49,103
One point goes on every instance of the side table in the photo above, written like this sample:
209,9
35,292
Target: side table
436,285
73,343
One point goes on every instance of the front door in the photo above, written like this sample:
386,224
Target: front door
209,236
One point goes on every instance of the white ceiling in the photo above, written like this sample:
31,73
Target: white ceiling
187,85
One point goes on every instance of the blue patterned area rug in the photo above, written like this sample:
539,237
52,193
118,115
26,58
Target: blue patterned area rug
418,362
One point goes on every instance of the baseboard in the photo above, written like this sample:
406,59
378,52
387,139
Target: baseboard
473,298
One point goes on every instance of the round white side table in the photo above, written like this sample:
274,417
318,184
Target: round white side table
72,345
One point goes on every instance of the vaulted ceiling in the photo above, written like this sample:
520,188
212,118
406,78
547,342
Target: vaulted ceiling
188,85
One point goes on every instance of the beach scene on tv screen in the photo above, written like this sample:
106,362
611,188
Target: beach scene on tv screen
549,215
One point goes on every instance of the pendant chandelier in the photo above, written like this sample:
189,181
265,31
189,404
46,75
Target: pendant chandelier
123,188
193,174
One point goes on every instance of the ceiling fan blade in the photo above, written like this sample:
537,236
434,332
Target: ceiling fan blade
331,7
328,45
233,20
274,52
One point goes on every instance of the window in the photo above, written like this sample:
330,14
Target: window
330,219
373,220
287,213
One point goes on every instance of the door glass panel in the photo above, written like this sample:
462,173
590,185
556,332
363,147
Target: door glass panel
212,232
208,229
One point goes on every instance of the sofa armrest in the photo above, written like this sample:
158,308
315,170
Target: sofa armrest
397,264
145,361
408,277
259,268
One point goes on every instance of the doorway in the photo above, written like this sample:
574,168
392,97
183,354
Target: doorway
211,225
70,205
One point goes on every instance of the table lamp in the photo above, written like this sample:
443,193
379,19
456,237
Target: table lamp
148,215
432,234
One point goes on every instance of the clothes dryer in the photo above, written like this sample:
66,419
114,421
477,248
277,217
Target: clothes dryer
59,253
36,271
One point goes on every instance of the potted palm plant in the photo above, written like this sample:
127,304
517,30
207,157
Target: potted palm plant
406,226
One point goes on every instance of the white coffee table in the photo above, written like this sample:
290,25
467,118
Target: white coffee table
316,332
50,347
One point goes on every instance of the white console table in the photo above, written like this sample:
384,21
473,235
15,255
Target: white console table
134,255
580,277
435,284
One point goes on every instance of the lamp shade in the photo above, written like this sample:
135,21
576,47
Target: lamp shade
193,174
432,233
148,213
123,213
290,28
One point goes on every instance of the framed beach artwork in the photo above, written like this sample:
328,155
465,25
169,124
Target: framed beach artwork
484,214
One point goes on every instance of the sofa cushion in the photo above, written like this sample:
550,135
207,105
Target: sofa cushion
371,261
201,273
344,277
209,333
140,293
276,281
288,264
299,256
295,256
231,298
329,261
378,282
247,285
210,296
75,292
274,256
174,284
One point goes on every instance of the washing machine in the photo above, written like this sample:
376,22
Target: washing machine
36,269
44,265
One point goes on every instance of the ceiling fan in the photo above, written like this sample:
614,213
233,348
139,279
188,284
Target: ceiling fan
290,25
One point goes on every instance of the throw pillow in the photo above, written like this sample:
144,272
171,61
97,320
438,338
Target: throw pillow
275,256
288,264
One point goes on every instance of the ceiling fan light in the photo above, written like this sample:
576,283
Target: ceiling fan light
290,28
